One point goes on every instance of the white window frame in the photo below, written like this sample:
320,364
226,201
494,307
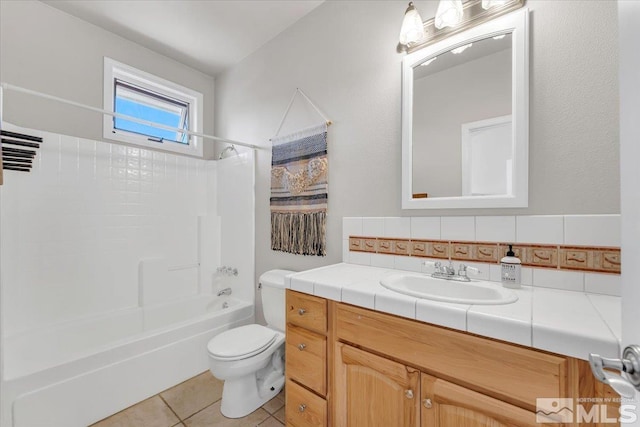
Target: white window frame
116,70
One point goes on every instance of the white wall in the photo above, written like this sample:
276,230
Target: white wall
44,49
343,54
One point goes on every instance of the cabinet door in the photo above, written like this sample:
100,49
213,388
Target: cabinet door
371,391
448,405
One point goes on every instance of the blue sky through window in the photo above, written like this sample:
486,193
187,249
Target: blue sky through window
145,112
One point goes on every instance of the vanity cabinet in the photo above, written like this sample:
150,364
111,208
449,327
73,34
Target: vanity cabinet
377,369
375,391
492,367
445,404
306,361
380,392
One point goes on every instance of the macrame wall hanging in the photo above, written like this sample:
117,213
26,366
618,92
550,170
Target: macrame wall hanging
299,188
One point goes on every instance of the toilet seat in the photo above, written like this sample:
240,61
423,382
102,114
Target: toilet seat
241,343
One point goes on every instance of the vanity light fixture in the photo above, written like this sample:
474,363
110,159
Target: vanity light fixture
488,4
449,13
461,48
412,29
452,17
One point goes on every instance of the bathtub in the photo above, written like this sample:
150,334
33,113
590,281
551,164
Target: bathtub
78,372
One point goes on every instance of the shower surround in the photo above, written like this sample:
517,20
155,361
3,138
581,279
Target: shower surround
101,233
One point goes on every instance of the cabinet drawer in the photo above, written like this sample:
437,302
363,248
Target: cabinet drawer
306,358
303,408
307,311
510,373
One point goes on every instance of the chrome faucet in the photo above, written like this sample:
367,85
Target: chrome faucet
225,291
448,272
227,271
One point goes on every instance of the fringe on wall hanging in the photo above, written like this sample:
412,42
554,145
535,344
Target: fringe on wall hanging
299,189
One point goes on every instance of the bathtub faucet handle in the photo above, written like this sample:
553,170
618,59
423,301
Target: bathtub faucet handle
225,291
227,271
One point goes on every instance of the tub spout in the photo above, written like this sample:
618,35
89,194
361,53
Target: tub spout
226,291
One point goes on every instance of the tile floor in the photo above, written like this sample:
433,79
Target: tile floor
193,403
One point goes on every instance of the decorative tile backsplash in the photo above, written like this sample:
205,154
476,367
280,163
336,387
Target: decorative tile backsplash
572,252
583,258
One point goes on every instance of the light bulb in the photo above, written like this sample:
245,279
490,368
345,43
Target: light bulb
461,48
449,13
412,29
428,61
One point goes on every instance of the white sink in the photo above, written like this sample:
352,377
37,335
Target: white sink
427,287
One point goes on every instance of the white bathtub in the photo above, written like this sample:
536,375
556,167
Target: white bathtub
76,373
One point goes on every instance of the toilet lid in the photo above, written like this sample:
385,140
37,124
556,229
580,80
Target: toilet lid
242,342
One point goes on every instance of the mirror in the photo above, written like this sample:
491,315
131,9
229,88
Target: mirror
465,119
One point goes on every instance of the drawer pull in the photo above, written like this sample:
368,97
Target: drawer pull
427,403
302,407
302,311
409,394
302,346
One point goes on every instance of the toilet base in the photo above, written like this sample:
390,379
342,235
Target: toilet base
242,396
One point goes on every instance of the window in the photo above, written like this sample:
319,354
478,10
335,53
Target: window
134,93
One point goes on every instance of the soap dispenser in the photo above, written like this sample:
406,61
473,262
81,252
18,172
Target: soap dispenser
510,269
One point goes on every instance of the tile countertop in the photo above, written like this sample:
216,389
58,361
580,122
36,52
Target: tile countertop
565,322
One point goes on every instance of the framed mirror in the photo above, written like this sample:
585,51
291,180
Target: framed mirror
465,118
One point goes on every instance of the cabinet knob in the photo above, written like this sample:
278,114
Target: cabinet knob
302,346
302,311
302,407
427,403
409,394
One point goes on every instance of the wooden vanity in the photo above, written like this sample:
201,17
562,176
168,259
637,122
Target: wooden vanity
350,366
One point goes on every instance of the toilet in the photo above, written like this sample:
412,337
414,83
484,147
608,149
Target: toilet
250,358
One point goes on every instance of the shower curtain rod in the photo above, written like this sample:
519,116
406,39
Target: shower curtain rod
8,86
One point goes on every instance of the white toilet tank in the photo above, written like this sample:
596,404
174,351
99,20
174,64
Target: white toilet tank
273,298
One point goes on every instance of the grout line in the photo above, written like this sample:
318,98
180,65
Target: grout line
602,318
170,408
197,412
532,306
475,228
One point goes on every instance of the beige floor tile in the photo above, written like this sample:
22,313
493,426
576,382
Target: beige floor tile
149,413
280,415
281,394
211,417
271,422
193,395
273,405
